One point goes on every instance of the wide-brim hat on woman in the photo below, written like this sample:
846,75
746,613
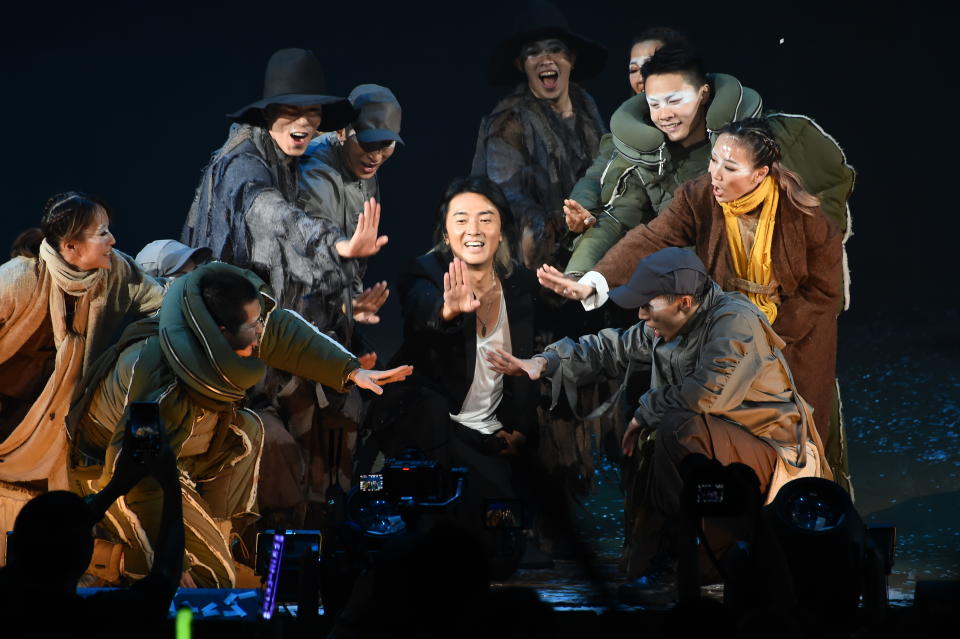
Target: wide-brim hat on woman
541,20
294,77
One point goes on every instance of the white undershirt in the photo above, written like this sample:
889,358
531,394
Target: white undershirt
480,405
599,282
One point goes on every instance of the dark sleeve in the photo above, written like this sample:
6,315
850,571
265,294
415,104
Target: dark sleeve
674,226
420,303
572,363
320,196
293,344
588,188
821,290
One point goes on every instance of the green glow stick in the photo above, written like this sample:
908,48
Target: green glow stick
184,622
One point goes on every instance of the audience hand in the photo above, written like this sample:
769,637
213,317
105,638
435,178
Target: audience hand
506,364
366,305
129,471
562,285
373,380
458,295
578,219
365,241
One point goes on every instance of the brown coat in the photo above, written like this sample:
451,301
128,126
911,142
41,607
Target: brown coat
807,263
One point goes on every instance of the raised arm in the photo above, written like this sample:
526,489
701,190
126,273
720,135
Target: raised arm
674,226
629,207
128,472
293,344
572,363
586,192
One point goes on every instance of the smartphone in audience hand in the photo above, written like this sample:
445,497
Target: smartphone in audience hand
143,431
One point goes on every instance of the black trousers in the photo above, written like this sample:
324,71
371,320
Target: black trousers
678,435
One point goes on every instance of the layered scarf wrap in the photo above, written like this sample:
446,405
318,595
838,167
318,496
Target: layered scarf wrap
195,348
182,347
758,266
37,447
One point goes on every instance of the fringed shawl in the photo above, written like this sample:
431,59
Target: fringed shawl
31,290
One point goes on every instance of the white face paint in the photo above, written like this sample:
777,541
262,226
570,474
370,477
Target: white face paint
673,99
677,108
639,54
724,152
732,174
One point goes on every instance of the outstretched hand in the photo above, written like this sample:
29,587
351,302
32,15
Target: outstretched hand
366,305
373,380
458,295
365,241
551,278
578,219
506,364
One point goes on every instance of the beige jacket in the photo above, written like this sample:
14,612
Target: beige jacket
72,332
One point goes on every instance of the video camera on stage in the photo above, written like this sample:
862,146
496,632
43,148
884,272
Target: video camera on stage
383,506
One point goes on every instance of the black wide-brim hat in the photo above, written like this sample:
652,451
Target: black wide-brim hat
541,20
294,77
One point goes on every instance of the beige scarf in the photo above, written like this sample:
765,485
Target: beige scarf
37,448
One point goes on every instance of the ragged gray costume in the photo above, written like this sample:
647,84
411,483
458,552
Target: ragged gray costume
330,191
245,211
536,157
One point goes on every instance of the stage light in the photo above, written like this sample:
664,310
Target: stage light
832,558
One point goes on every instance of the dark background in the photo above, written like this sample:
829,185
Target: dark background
127,101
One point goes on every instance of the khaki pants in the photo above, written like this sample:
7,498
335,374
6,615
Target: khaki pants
219,497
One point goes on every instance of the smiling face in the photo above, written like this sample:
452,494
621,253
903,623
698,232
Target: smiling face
292,127
640,53
666,318
246,339
93,248
677,107
473,229
547,65
364,158
732,170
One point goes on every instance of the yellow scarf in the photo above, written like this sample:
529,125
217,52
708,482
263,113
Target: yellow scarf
759,266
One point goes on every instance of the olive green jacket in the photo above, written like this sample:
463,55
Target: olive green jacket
637,171
180,359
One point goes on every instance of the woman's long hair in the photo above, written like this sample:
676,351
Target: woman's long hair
503,261
755,135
